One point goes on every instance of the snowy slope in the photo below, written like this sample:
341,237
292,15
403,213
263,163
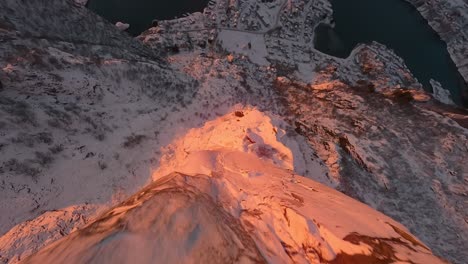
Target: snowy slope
76,106
383,139
89,116
237,201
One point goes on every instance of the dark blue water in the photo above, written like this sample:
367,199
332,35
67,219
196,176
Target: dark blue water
140,13
399,26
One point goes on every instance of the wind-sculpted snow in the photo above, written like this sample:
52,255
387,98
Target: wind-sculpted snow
170,222
76,99
283,218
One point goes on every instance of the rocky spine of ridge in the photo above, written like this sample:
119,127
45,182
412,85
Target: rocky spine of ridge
206,232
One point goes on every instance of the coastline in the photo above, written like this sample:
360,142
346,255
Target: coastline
447,19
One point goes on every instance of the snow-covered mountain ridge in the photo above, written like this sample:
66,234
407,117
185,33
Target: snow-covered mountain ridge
236,199
89,116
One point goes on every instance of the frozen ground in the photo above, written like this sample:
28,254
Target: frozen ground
89,116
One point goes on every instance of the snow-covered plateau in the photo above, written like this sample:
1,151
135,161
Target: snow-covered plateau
223,136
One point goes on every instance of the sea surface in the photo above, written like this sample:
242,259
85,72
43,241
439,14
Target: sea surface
399,26
140,13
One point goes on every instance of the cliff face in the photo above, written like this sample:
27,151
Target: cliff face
89,116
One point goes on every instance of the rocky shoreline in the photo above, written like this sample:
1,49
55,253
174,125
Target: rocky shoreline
450,20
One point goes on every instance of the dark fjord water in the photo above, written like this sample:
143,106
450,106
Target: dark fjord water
140,13
399,26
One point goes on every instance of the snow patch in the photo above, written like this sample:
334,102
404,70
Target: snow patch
249,44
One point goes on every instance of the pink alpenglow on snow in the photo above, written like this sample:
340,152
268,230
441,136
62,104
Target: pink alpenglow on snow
227,193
